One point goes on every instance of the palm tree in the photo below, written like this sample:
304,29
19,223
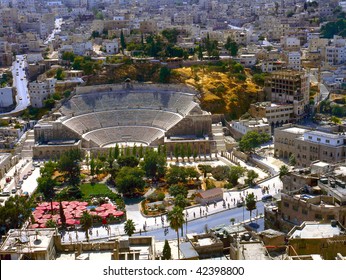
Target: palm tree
86,221
129,227
283,171
176,221
250,203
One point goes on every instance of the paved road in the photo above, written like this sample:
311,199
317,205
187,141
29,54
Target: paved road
20,83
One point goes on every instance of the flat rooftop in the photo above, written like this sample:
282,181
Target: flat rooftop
315,230
296,130
326,134
27,241
253,251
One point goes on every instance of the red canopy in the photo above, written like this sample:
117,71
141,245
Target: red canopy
99,209
118,213
71,222
102,214
78,215
83,203
81,207
38,215
42,221
34,226
41,208
47,216
43,226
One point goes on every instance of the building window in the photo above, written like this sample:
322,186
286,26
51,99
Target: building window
327,141
318,139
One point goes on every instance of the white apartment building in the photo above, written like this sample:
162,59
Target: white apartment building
290,43
6,96
39,91
335,55
324,138
245,126
111,46
293,60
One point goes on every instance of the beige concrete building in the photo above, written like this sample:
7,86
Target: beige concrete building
275,113
241,127
308,145
289,87
317,193
310,238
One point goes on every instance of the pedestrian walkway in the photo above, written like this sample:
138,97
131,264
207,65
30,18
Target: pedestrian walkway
230,198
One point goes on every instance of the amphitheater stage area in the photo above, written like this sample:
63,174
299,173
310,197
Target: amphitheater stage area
128,114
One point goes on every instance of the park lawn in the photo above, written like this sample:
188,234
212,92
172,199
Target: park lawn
96,189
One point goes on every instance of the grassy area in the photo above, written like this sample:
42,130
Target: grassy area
96,189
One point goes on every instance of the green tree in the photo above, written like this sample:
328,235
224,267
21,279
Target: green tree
205,168
180,201
176,221
122,41
130,180
175,175
220,172
177,151
130,161
171,35
164,75
45,185
92,166
191,173
129,227
176,190
231,46
235,173
283,171
292,160
251,176
154,164
68,165
59,75
116,151
252,139
87,222
250,202
15,212
166,252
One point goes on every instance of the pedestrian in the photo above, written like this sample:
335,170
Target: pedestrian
97,232
140,232
194,215
155,220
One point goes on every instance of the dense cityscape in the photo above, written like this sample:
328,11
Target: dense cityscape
172,130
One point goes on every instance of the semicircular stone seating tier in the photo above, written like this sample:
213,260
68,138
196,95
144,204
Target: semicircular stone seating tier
126,117
123,134
178,102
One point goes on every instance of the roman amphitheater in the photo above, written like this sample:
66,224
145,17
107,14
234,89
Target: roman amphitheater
98,117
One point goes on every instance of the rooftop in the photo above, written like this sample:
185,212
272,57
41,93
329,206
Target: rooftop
325,134
311,230
27,241
296,130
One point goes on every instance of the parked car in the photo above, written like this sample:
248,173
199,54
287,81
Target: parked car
5,194
25,177
20,182
240,203
8,179
29,173
267,197
13,191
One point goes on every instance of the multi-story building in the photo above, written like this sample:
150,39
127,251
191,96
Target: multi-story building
289,87
317,193
6,97
39,91
307,145
241,127
276,114
293,60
